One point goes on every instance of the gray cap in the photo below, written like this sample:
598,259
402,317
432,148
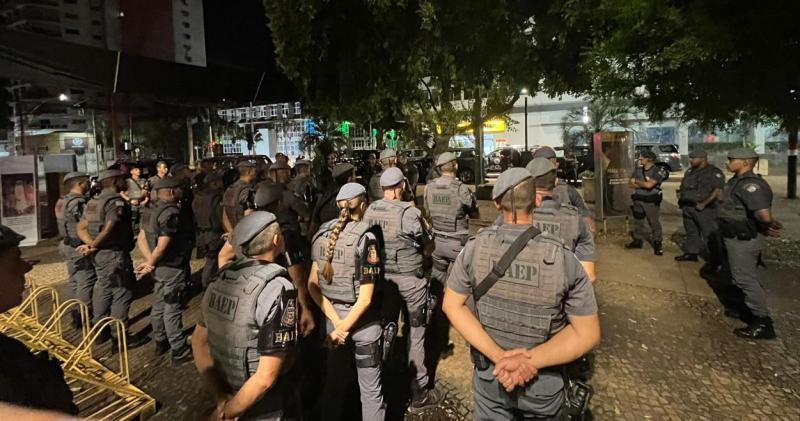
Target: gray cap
388,153
544,152
540,166
109,174
267,194
167,183
178,168
279,165
9,237
392,177
74,174
301,162
250,226
698,153
509,179
350,191
742,153
342,168
445,158
245,163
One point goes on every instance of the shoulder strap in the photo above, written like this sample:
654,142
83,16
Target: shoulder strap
499,269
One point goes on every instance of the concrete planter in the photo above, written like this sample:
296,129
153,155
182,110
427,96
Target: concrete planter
587,185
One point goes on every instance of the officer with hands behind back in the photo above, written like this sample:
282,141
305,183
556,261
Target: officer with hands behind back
247,336
346,267
745,220
555,312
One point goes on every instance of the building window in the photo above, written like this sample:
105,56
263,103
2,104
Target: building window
72,31
186,25
97,37
187,36
285,110
185,13
297,109
273,110
71,16
70,1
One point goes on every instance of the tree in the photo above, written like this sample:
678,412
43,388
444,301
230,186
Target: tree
601,114
704,60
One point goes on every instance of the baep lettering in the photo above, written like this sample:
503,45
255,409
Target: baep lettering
548,227
223,305
520,272
441,199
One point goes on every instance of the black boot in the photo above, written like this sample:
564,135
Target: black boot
182,356
635,244
657,250
425,398
162,347
686,257
103,337
75,320
132,342
760,328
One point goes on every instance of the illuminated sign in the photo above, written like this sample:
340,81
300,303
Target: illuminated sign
494,125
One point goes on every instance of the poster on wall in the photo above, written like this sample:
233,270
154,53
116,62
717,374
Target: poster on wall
18,204
614,156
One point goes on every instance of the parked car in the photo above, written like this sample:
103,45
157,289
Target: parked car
667,155
507,157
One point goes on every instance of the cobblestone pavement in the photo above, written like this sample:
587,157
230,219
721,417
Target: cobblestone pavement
665,355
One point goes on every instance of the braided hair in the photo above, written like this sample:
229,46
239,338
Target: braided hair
344,217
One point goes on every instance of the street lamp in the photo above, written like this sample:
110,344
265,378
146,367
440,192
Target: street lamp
524,93
63,97
585,118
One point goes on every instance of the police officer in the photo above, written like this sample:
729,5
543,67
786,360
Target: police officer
27,381
646,206
562,220
247,336
745,219
68,210
162,170
206,169
565,193
325,209
162,244
136,194
107,236
405,237
346,267
207,208
525,324
388,159
302,187
700,188
238,198
449,204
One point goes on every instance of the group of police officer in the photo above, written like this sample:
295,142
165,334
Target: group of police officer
730,220
520,291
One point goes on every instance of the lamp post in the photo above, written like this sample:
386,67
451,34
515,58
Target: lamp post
524,92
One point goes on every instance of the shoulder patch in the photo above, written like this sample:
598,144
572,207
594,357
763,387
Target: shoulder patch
751,187
119,203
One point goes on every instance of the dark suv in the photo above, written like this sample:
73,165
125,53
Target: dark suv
667,155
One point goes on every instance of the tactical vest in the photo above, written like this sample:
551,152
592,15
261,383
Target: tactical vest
150,223
642,174
561,194
402,254
447,212
734,220
135,191
67,216
203,207
344,286
229,311
95,213
230,201
562,222
522,309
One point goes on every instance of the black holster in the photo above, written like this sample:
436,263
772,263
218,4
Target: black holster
478,359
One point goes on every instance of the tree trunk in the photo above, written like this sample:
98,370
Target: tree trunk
791,173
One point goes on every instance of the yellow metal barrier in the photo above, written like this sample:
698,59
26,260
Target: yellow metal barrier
99,392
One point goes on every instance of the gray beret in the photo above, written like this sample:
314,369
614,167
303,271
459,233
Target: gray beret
267,194
167,183
245,163
540,166
9,237
698,153
544,152
74,174
340,169
742,153
250,226
301,162
109,174
392,177
445,158
279,165
509,179
350,191
388,153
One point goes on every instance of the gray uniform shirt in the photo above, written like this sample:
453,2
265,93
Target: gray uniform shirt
574,198
655,173
698,183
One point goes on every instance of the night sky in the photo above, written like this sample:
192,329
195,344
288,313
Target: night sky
237,34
